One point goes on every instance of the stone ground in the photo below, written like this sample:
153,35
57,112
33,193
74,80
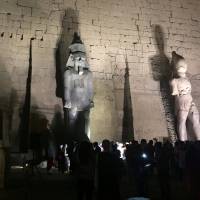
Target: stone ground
56,186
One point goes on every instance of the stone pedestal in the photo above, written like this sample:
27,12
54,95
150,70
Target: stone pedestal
2,166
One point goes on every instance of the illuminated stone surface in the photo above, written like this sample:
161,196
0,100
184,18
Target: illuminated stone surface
111,30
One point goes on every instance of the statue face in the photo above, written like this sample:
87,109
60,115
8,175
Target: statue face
79,64
181,66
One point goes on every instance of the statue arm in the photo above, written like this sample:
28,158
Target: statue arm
90,88
67,89
174,87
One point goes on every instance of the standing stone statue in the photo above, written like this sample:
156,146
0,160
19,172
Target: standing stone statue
185,107
78,90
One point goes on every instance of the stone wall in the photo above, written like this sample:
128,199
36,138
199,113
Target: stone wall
141,32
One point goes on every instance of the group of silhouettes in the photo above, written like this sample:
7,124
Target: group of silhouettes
100,171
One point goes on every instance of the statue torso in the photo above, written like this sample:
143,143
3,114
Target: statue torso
79,89
183,99
183,86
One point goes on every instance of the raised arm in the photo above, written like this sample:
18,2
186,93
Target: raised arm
90,87
67,89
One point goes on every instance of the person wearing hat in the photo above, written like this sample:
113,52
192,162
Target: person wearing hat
185,108
78,87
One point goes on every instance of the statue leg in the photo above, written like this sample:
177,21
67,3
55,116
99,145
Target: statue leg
72,121
194,119
182,130
82,126
87,123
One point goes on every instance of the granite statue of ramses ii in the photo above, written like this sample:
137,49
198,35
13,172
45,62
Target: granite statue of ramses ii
78,90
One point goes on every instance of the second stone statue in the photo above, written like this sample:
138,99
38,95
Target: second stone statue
185,108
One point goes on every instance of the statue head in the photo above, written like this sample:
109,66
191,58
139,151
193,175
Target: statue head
77,59
179,64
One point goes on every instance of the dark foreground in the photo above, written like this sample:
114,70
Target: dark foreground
42,186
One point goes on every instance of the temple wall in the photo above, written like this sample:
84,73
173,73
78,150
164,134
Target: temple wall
117,34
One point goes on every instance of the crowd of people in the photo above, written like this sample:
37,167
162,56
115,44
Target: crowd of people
99,169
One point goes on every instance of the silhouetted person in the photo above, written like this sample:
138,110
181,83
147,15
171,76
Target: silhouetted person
96,147
61,160
72,154
49,164
131,154
158,148
141,168
193,166
150,150
181,160
109,170
163,168
86,171
116,151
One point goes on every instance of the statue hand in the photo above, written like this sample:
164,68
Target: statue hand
68,105
193,108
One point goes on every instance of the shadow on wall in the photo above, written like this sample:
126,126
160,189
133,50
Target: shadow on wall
12,137
127,128
57,126
40,135
12,104
41,139
25,114
69,26
162,72
8,99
